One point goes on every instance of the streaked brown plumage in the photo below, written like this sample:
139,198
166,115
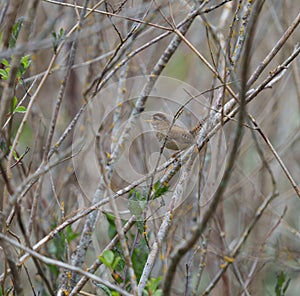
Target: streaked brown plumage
178,138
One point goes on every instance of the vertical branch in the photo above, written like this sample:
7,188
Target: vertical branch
247,8
6,99
166,223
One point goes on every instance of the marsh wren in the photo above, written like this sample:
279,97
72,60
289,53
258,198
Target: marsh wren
177,138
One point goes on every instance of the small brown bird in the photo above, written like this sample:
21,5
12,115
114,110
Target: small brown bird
178,138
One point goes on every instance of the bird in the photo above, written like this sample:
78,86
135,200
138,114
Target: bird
176,137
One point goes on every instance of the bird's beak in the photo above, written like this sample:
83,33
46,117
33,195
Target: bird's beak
149,120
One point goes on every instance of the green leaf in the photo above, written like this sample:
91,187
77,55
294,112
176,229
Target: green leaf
3,74
57,38
25,61
15,33
107,258
159,189
61,32
15,155
70,234
139,258
281,284
105,289
120,263
112,230
136,203
110,218
14,103
136,207
57,246
136,195
152,284
151,287
116,262
5,62
20,109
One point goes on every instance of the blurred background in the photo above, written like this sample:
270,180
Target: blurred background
78,88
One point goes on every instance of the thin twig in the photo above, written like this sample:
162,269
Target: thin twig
63,265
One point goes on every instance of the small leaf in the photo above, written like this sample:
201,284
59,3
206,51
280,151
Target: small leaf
116,261
110,218
112,230
5,62
105,289
61,32
135,195
136,207
57,38
281,284
152,285
107,258
70,234
3,74
137,202
20,109
15,155
15,33
25,61
15,102
159,189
